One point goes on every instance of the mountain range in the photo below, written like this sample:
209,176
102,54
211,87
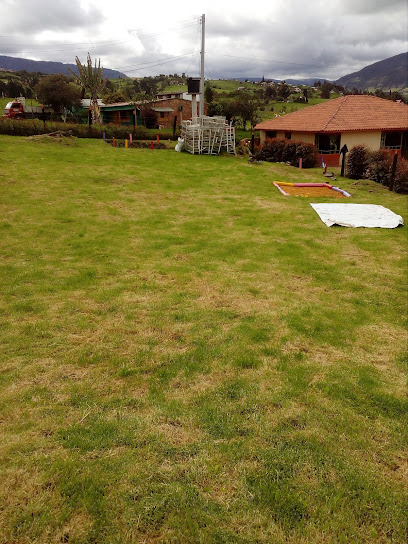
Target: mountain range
391,73
48,67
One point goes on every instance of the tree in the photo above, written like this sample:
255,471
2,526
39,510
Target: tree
208,94
148,85
305,95
325,90
90,79
14,88
29,80
113,97
57,91
247,107
284,91
270,91
224,108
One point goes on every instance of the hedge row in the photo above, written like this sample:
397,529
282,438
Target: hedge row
362,163
32,127
138,144
289,151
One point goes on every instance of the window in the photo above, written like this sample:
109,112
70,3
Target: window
328,143
288,135
391,140
271,133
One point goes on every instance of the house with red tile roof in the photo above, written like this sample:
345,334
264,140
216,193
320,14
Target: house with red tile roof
351,120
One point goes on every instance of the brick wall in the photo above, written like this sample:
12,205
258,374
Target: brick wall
166,119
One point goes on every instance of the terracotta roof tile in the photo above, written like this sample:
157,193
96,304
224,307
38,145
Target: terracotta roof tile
344,114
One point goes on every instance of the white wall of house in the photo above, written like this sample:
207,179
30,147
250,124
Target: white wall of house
371,139
307,137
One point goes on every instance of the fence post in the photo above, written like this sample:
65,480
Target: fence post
393,170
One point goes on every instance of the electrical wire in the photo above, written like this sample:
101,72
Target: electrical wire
90,43
161,63
147,64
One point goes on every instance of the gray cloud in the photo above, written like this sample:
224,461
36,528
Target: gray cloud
286,40
365,7
20,17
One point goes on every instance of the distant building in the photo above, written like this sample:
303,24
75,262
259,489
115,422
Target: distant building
121,113
169,108
177,94
129,113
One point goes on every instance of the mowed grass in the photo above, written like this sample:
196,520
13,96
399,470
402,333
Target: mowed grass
188,356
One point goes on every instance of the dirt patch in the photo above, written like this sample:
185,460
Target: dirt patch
312,192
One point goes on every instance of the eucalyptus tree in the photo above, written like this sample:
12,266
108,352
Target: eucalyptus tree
90,79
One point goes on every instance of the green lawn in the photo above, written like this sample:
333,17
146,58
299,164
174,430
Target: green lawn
187,356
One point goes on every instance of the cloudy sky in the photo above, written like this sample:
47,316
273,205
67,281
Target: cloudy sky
279,39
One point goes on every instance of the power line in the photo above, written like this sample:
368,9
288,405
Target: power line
145,66
91,43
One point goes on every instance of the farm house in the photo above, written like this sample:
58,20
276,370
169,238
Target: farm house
351,120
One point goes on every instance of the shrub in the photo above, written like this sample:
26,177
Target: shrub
308,153
272,150
290,151
137,144
401,177
31,127
379,166
357,162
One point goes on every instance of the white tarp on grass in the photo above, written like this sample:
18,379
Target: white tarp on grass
357,215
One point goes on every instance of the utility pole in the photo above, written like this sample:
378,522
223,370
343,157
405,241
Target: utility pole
201,105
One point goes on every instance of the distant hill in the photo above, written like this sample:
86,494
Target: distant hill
48,67
308,81
391,73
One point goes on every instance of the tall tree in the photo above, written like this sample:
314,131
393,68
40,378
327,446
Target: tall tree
90,79
57,91
247,107
325,90
284,91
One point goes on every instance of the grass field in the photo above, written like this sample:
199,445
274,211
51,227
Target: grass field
187,356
